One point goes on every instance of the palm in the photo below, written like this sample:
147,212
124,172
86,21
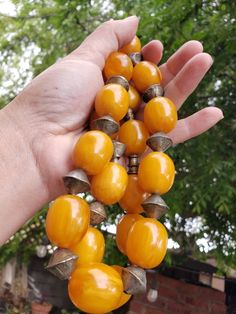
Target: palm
64,94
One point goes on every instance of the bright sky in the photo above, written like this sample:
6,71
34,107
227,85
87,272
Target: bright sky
7,7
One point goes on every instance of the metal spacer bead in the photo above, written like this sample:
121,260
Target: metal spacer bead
118,79
136,57
154,206
134,280
129,115
133,164
76,182
97,213
105,124
119,149
153,91
62,263
159,142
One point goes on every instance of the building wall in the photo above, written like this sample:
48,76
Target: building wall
179,297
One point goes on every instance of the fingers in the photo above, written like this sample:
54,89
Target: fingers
195,124
108,37
176,62
153,51
188,78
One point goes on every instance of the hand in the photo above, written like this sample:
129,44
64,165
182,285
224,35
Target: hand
53,109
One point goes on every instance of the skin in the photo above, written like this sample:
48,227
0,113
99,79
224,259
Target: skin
39,128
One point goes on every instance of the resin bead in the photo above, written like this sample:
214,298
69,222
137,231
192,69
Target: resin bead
67,220
133,197
93,151
156,173
147,243
91,248
118,63
133,46
109,186
133,134
134,98
145,74
125,296
160,115
123,228
112,100
95,288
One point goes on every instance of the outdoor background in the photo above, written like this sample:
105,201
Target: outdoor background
202,216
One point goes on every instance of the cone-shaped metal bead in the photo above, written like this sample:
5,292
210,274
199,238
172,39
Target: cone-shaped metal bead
76,182
105,124
62,263
134,280
118,79
153,91
129,115
135,57
119,149
159,142
155,206
97,213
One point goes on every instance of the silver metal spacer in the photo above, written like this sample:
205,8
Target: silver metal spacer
105,124
136,57
119,149
153,91
159,142
76,182
97,213
154,206
118,79
134,280
133,164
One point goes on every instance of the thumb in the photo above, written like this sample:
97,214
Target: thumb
108,37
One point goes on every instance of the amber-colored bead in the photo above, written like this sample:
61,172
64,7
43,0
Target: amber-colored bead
109,186
133,197
156,173
91,248
93,151
67,220
160,115
123,228
133,134
95,288
134,98
133,46
147,243
145,74
125,296
113,100
118,63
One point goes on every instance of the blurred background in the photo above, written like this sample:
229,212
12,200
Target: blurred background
198,274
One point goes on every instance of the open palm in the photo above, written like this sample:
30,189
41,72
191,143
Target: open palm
57,103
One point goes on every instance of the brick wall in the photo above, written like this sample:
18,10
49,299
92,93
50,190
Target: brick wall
178,297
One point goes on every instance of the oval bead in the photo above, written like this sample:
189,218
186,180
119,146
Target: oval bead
133,134
160,115
67,220
145,74
112,100
123,228
147,243
133,46
95,288
134,98
118,63
93,151
91,248
109,186
133,197
156,173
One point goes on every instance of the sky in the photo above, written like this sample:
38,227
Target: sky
7,7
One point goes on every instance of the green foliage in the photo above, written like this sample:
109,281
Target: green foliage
43,31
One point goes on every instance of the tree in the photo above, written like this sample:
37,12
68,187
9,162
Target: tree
202,200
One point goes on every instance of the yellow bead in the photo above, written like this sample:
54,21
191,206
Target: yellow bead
91,248
123,228
156,173
133,46
133,197
93,151
133,134
118,63
147,243
67,220
95,288
109,186
160,115
112,100
145,74
134,98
